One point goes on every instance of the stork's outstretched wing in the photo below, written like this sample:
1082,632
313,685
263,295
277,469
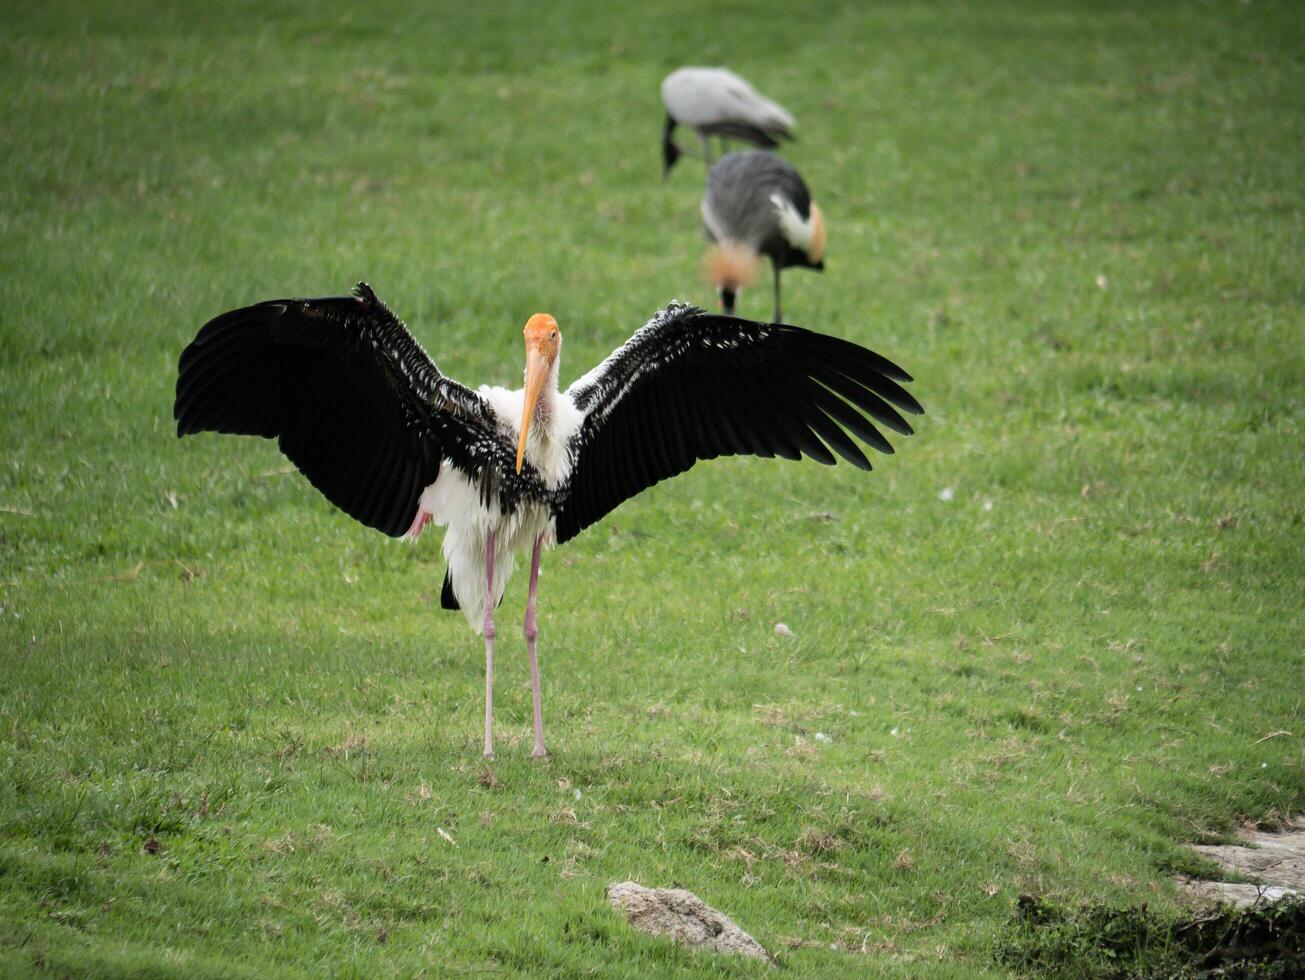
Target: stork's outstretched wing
349,394
691,385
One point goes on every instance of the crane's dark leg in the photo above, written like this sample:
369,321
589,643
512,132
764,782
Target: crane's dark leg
778,314
727,299
532,633
489,645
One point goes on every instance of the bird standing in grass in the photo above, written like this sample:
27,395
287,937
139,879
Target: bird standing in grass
756,204
717,102
357,405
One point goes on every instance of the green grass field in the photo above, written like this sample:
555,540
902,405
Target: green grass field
237,734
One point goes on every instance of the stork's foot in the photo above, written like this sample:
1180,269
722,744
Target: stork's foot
539,753
488,756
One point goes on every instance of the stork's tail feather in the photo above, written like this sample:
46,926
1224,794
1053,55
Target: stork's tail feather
447,599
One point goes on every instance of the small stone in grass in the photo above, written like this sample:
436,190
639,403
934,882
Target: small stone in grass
946,494
683,917
781,629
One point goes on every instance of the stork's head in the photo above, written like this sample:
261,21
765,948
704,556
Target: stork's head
729,266
542,335
543,343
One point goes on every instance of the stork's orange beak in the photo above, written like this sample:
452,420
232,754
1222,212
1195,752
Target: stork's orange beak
542,344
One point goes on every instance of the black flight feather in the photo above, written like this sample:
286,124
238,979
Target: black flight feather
691,385
348,393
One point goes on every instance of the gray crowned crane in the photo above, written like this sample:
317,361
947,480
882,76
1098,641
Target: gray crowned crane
756,204
356,404
717,102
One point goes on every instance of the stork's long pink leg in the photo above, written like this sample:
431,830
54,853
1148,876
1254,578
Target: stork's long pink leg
532,632
489,645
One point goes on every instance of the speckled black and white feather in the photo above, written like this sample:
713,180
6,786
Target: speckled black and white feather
691,385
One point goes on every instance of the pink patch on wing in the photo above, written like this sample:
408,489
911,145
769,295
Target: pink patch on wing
418,524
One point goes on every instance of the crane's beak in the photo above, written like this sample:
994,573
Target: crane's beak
539,363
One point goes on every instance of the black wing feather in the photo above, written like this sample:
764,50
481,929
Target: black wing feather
746,132
352,399
691,386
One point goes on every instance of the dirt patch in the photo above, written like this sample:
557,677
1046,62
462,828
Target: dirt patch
1274,861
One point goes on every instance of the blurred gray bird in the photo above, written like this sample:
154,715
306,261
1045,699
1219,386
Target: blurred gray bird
756,204
717,102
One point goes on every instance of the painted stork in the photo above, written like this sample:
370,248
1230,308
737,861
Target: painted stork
717,102
756,204
357,405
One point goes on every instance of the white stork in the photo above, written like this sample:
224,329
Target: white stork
367,417
717,102
757,204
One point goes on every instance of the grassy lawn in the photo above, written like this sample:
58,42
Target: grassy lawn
1057,636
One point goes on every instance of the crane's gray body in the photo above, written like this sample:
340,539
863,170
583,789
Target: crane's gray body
759,202
739,205
717,102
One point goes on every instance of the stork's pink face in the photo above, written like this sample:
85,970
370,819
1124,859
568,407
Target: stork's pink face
543,341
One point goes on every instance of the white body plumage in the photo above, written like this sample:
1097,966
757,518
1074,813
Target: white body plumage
454,502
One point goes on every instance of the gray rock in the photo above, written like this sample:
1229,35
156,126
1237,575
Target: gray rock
682,916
